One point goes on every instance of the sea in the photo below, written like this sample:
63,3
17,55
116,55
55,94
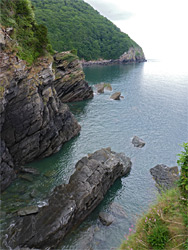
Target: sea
154,107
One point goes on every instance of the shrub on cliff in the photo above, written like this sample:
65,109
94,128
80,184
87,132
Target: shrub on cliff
31,38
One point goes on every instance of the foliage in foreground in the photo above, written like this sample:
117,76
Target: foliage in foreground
75,24
165,225
31,38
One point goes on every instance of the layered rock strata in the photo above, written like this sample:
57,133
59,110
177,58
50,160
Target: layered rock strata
70,81
70,204
34,123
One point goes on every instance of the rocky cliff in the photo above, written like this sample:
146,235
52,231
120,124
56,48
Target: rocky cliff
134,55
34,123
70,81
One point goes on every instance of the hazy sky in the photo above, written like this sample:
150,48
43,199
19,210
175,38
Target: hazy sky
160,27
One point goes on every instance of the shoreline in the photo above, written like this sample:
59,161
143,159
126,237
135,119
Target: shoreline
110,62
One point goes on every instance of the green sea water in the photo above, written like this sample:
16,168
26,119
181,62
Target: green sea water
154,108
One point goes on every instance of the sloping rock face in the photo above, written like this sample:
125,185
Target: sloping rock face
133,55
33,121
71,203
70,81
166,177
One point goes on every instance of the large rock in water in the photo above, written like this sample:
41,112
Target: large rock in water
166,177
70,81
70,204
34,123
137,142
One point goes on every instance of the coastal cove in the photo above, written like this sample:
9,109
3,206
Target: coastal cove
154,108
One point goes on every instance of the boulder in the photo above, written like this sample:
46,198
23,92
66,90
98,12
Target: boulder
116,96
137,142
106,218
70,203
165,177
100,88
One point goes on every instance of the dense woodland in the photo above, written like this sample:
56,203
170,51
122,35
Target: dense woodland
31,38
76,25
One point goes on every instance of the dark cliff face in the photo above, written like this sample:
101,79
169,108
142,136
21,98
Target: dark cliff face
34,123
70,81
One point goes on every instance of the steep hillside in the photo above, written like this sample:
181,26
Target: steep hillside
75,24
31,38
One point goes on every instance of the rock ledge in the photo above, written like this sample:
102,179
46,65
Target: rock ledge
71,203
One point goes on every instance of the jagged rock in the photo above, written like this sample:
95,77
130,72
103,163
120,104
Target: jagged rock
34,123
116,96
166,177
137,142
7,173
70,203
70,81
133,55
100,88
106,218
28,210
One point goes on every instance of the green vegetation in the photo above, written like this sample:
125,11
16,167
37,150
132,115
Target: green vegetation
165,225
76,25
31,38
183,163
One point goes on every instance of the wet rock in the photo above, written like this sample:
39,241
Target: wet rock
117,210
108,86
137,142
28,210
7,173
106,218
26,177
100,88
116,96
165,177
29,170
70,203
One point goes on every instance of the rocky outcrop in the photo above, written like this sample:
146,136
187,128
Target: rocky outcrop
138,142
34,123
165,177
69,204
131,56
70,81
116,96
106,218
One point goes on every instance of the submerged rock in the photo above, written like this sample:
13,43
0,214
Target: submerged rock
137,142
106,218
28,210
70,203
165,177
116,96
